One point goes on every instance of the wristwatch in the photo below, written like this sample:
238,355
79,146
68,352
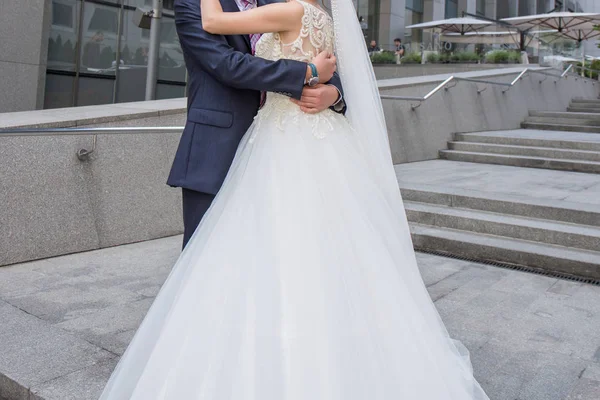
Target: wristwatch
314,80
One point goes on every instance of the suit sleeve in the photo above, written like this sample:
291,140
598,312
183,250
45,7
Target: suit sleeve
340,106
213,54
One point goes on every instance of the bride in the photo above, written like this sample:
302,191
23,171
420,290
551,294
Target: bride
301,282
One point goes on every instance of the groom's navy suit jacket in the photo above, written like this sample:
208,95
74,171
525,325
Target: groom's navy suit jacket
223,96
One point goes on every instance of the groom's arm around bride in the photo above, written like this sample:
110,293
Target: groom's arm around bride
224,87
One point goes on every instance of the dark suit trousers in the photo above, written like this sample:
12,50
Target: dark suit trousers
195,205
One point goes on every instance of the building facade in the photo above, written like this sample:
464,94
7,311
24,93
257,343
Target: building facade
64,53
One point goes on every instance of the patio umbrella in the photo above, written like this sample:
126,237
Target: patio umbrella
454,25
576,26
569,24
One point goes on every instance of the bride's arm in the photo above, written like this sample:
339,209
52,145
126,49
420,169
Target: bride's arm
277,17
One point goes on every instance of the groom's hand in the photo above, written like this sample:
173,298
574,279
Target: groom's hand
318,98
325,63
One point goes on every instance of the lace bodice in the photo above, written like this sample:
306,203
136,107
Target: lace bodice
315,36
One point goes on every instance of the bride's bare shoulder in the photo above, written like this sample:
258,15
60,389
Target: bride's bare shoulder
294,5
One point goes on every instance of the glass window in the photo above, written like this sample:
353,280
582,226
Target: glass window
98,48
131,85
62,14
93,91
480,7
164,91
106,20
62,40
171,65
415,5
368,17
59,91
451,8
99,39
167,4
413,36
413,15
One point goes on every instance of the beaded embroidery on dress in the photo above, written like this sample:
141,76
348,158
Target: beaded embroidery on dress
316,35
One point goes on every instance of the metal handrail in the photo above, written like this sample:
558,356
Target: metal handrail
584,69
87,131
83,154
457,79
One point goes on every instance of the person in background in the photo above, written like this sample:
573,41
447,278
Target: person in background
373,48
363,24
399,47
91,51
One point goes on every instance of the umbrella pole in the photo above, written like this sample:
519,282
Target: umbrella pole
582,58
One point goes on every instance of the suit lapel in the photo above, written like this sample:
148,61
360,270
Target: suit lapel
231,6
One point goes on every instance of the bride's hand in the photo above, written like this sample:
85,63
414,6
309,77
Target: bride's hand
326,65
317,99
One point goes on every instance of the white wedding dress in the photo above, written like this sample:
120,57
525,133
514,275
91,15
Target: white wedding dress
301,282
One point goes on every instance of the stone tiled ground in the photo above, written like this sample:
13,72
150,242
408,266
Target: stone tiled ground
65,321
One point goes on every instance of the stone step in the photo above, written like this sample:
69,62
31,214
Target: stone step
522,161
559,140
544,152
516,227
580,109
513,204
566,115
560,127
586,101
486,247
549,120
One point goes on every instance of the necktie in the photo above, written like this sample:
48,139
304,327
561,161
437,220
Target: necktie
249,5
254,37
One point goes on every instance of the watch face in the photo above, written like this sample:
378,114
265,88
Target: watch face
314,81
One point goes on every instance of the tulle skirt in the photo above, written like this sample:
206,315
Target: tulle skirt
301,283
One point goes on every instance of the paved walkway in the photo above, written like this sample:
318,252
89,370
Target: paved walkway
65,321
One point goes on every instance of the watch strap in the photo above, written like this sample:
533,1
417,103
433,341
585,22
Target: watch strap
313,68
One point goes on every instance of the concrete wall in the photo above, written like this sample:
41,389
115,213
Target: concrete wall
58,204
419,134
24,27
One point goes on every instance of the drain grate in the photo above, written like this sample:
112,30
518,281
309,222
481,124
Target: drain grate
516,267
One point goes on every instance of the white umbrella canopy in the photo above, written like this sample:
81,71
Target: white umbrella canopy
454,25
576,26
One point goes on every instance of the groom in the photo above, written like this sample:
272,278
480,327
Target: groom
224,95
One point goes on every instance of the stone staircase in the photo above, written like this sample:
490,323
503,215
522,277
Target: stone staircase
559,151
569,151
581,116
544,219
584,105
484,201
